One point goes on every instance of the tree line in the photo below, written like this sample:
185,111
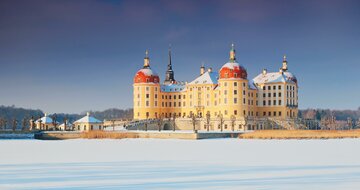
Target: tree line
14,116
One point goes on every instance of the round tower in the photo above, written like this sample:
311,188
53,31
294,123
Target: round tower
233,88
146,92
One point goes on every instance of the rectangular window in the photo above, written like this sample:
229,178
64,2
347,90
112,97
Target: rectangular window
179,96
147,103
274,102
174,97
279,102
264,103
235,83
244,93
279,87
147,95
244,101
269,87
235,112
269,113
269,95
179,104
274,95
264,95
279,113
279,94
155,95
264,113
235,92
269,102
274,113
235,100
155,103
274,87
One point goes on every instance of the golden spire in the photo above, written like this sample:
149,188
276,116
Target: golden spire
284,64
232,53
146,59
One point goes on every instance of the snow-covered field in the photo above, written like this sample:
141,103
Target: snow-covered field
180,164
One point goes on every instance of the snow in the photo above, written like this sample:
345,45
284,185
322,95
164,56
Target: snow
88,119
173,87
180,164
45,120
231,65
206,78
274,77
148,72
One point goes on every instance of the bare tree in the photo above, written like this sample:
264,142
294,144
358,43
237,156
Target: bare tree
23,124
146,123
245,122
65,123
5,123
40,124
173,121
208,119
32,124
193,121
1,123
233,119
54,123
221,120
160,121
14,124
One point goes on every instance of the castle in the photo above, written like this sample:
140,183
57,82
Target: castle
228,94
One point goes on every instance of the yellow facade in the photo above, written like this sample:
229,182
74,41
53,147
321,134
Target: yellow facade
272,95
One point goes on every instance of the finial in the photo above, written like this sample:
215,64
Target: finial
284,58
146,53
232,53
87,113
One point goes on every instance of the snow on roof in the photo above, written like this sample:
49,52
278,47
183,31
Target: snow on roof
274,77
231,65
63,125
88,119
45,120
148,72
252,85
173,87
206,78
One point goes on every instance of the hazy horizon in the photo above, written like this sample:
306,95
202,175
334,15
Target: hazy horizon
75,56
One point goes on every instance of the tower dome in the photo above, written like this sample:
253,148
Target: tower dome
146,74
232,69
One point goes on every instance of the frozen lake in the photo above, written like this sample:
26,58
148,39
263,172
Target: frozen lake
180,164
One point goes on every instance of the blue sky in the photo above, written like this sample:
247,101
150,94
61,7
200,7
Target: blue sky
72,56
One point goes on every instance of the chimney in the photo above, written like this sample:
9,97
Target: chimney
264,71
202,69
